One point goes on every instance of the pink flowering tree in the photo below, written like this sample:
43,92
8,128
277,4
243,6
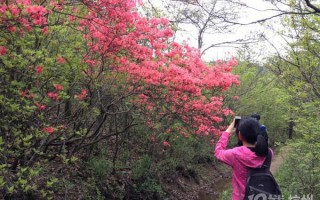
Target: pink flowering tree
173,88
75,76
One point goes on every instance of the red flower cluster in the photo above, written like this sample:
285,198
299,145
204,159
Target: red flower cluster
58,87
166,144
175,82
27,94
24,14
39,69
61,60
82,95
3,50
40,106
49,130
174,76
53,96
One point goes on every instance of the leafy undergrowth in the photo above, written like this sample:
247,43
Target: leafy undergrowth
204,183
95,180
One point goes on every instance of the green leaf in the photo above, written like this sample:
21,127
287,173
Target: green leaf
11,189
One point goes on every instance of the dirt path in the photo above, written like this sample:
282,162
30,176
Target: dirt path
278,159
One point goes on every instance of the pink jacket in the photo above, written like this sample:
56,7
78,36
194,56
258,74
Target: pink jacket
239,158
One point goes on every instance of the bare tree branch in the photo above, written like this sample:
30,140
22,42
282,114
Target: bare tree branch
315,8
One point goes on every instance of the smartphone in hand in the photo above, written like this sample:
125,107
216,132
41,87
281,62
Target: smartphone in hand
236,121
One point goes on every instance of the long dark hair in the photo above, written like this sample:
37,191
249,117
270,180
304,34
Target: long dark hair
249,128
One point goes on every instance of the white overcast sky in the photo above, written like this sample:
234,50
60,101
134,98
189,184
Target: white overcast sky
246,16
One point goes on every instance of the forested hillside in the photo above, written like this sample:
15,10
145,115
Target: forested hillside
98,99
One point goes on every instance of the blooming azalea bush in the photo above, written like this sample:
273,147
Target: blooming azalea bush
76,75
172,82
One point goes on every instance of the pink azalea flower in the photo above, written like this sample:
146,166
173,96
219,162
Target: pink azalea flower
39,69
45,30
82,95
58,87
53,96
14,10
166,144
72,18
153,138
235,97
3,50
40,106
61,60
24,93
49,130
12,29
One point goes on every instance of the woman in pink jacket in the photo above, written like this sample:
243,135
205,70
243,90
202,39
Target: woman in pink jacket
252,153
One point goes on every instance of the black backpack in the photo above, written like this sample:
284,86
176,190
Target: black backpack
261,183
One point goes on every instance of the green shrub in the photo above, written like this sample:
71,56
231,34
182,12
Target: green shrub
145,184
142,168
226,194
101,167
300,174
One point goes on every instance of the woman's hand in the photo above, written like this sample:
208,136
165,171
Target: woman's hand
231,126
